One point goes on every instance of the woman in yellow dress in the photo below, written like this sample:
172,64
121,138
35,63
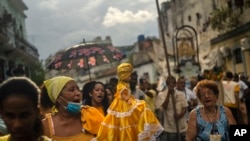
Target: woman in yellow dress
71,121
94,95
128,119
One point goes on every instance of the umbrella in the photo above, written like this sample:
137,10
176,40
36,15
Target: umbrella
85,56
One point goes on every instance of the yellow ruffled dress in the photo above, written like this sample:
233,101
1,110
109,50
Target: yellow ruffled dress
128,120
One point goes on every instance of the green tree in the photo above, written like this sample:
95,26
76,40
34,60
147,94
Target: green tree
37,73
225,19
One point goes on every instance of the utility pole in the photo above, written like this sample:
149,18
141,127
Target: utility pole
168,67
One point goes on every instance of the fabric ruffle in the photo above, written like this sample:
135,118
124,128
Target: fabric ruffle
131,121
91,119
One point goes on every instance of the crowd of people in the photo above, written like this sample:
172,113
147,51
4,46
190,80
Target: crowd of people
127,108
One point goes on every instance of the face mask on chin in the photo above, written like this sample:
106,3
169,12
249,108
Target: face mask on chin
72,107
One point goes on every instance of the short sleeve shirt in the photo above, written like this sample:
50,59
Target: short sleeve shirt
169,119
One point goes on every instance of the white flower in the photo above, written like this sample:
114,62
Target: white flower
189,70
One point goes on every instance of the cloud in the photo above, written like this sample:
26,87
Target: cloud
91,6
49,5
115,16
144,1
53,25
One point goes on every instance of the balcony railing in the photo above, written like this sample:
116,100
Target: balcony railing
26,47
7,37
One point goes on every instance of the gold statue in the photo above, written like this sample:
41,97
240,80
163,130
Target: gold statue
185,51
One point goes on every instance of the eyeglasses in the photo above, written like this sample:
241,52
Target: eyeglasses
208,93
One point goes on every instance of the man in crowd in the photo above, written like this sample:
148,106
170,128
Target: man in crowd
172,106
150,94
231,94
189,95
242,95
135,90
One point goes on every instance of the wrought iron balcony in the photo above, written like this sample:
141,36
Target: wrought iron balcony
26,48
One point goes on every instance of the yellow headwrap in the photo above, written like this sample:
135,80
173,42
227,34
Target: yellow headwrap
124,70
55,85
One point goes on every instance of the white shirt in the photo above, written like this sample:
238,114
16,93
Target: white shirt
138,93
189,95
169,119
243,87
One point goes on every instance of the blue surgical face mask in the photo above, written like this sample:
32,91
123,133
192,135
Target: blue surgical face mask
73,107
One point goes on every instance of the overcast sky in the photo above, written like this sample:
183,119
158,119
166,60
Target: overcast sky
58,24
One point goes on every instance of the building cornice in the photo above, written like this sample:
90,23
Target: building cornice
235,32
